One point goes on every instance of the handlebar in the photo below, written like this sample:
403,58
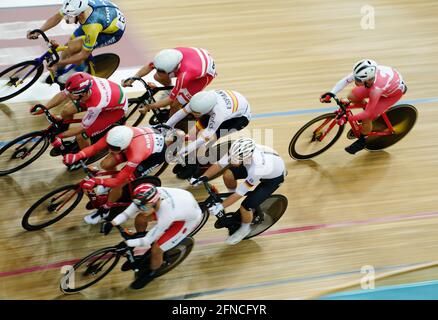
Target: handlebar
151,91
211,192
129,250
49,44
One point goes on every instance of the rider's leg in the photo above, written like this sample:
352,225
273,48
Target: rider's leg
263,191
141,222
156,256
83,140
229,180
73,47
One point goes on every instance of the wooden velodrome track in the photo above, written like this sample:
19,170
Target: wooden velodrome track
345,212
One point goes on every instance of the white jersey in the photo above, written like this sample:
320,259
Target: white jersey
230,104
265,163
175,205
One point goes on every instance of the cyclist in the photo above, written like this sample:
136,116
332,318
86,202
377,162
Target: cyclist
101,24
219,113
382,85
258,165
177,214
141,148
193,68
104,101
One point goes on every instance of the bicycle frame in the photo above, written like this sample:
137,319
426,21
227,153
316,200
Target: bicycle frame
345,108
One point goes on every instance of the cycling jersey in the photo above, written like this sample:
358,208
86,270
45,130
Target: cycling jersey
265,164
387,89
196,71
178,215
104,26
106,96
145,142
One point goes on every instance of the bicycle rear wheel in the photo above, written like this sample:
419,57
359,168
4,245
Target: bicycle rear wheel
176,255
105,64
14,152
17,78
52,207
272,209
402,117
310,141
89,270
205,216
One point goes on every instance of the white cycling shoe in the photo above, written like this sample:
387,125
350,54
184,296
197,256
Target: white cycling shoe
239,235
95,217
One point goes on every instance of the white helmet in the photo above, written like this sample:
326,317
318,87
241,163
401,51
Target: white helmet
167,60
365,70
242,149
74,7
203,102
119,137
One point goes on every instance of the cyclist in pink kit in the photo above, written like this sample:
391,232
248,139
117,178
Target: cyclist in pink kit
383,86
193,68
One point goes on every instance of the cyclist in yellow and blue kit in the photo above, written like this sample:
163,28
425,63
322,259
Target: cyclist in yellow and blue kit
101,24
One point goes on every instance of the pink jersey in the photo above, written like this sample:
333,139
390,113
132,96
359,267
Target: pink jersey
143,144
105,96
196,63
388,81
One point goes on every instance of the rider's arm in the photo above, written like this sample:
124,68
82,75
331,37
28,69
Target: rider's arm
342,84
71,132
59,98
52,22
144,70
160,104
369,112
95,148
153,235
216,167
122,177
178,116
129,212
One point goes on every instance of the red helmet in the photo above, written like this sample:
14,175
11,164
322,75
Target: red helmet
145,193
79,82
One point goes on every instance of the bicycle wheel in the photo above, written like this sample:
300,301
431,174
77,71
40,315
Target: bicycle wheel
105,64
402,118
205,215
310,141
89,270
14,152
175,256
134,118
17,78
52,207
272,210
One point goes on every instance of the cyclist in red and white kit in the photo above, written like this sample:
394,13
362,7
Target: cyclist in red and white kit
193,68
132,145
176,213
382,85
104,101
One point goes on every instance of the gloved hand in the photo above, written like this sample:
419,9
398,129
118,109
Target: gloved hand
36,109
326,97
57,142
217,209
106,227
73,157
127,83
88,183
196,182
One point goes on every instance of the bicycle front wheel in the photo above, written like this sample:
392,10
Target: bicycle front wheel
52,207
89,270
22,151
134,117
270,211
315,137
17,78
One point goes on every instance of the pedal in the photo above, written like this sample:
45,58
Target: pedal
350,135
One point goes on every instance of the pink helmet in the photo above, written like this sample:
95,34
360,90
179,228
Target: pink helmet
79,82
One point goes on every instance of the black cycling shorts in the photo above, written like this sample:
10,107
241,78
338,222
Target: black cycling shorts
152,161
226,126
263,191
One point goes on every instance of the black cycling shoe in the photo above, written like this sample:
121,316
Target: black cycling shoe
356,146
142,279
